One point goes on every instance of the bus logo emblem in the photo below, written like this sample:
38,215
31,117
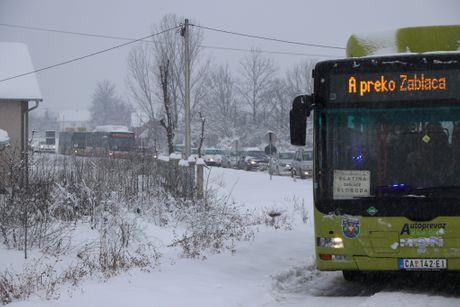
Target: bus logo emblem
372,210
350,228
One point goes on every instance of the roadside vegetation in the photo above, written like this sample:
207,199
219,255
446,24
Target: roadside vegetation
80,218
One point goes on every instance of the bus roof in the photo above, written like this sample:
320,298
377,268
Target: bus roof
405,40
112,128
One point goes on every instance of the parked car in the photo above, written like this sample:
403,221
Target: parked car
282,163
39,145
180,148
302,165
253,159
230,159
213,156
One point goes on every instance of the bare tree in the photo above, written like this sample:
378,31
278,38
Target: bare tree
142,84
257,74
221,104
144,77
168,124
299,81
278,104
107,107
141,79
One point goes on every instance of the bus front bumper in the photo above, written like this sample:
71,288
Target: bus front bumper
365,263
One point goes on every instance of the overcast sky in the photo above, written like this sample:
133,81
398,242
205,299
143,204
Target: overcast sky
320,21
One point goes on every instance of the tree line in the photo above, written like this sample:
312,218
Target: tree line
239,103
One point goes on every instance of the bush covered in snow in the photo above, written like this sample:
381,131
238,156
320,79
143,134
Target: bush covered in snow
92,213
213,228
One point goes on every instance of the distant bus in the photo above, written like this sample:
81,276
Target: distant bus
111,141
72,143
105,141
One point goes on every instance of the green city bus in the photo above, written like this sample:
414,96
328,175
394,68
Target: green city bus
386,162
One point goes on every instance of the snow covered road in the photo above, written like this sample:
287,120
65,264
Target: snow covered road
275,269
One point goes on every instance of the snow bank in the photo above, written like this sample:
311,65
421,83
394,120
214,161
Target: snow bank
15,60
183,162
191,159
163,158
275,269
175,156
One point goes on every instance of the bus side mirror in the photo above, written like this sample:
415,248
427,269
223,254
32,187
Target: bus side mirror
301,107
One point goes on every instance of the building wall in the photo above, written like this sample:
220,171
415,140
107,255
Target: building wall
11,121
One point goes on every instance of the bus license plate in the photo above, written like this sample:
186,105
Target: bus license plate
422,264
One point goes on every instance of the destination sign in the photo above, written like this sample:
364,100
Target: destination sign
122,135
395,86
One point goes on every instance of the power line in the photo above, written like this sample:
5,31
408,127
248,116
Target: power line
89,55
270,51
144,39
66,32
149,41
269,38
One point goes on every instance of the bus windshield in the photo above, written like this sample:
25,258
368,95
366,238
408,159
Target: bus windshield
286,155
378,153
213,152
307,155
121,143
79,139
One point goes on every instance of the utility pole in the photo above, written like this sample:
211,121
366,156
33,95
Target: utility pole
185,34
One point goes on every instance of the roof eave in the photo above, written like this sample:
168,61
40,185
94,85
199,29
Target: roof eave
21,99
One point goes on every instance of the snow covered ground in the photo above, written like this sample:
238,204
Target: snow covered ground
274,269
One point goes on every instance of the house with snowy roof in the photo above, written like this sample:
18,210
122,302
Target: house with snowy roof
19,93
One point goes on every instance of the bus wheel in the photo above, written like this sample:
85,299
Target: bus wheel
353,275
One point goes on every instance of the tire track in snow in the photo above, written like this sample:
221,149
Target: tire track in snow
301,281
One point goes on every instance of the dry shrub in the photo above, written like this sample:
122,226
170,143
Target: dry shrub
214,228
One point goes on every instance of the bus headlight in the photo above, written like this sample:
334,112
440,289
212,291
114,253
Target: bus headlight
330,242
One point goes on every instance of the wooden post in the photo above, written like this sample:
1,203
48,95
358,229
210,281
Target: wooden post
173,175
191,178
199,180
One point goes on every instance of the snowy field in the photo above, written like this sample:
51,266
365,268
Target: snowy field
276,268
